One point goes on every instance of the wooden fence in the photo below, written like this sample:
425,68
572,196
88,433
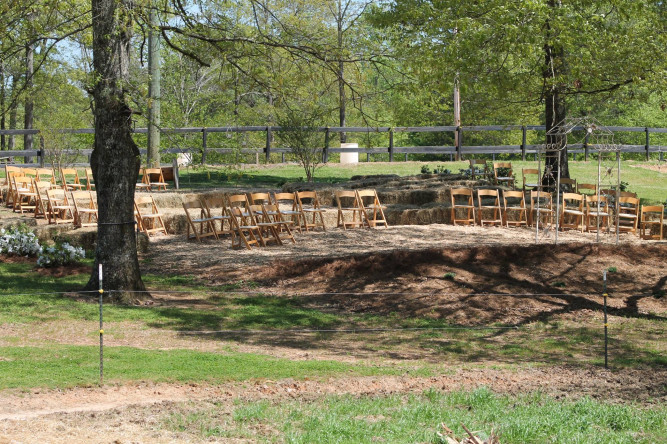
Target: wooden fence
454,151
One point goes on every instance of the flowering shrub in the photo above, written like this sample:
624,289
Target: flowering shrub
19,241
60,254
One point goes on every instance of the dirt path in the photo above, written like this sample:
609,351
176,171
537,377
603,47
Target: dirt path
138,413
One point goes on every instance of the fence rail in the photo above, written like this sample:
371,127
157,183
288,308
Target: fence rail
454,151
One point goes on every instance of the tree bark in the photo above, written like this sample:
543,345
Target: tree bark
342,111
13,115
555,110
115,160
3,92
154,94
29,104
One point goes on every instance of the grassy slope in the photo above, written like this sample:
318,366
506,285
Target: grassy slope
650,185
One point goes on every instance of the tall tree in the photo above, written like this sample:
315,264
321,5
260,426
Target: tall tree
115,160
517,53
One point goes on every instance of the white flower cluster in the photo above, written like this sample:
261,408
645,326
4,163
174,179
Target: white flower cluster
19,241
62,254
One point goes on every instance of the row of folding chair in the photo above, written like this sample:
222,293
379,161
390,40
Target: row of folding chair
577,211
362,208
56,205
254,219
68,179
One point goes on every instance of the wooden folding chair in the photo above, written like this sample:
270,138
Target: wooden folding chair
155,179
45,174
572,211
541,208
70,179
588,189
478,169
309,204
535,183
148,216
462,200
651,216
142,184
25,195
9,169
288,208
40,188
90,185
373,210
514,202
11,194
503,174
246,222
60,210
489,207
628,214
283,226
200,223
268,228
595,216
216,209
260,199
85,208
348,203
248,234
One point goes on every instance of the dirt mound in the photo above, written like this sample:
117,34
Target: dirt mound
480,285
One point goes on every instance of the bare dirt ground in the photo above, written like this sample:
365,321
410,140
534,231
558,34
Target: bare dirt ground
468,275
138,413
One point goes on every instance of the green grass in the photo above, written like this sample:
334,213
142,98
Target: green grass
67,366
529,418
27,298
649,185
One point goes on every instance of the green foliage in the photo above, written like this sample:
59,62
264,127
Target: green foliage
300,132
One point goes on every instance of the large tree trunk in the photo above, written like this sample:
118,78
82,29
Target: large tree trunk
115,160
555,110
342,111
29,104
3,120
154,94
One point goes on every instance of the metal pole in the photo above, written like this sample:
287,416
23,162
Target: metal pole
539,189
604,296
559,152
101,291
597,235
618,196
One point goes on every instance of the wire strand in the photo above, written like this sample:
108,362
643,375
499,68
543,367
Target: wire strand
340,330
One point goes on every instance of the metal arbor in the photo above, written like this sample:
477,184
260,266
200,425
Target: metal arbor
594,136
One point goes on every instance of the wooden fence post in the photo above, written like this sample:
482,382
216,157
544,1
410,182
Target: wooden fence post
391,144
459,134
325,153
268,145
586,147
648,153
204,137
523,143
41,152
